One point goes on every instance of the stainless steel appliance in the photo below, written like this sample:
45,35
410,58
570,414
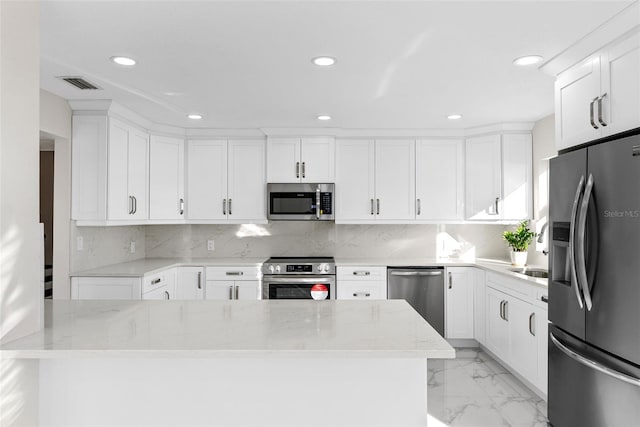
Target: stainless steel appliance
594,285
299,202
299,278
422,288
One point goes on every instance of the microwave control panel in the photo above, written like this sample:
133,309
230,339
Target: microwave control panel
325,204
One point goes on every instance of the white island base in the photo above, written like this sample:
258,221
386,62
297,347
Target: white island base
209,363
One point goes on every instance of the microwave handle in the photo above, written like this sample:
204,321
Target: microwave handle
318,202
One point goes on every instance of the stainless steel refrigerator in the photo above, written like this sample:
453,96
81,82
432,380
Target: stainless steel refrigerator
594,285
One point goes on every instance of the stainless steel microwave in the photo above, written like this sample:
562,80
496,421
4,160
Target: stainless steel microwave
300,202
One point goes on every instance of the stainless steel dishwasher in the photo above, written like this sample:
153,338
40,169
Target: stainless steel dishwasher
422,288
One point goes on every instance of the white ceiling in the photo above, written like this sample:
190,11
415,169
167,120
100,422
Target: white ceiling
248,64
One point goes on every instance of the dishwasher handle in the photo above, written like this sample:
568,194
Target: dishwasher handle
416,273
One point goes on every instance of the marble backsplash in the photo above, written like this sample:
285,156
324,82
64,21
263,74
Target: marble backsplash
105,246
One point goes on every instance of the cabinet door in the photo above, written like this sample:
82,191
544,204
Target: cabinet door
523,347
355,179
247,180
395,179
480,306
247,290
517,197
318,159
220,289
362,290
497,332
283,160
127,288
206,180
542,332
483,178
166,178
190,283
138,175
575,89
161,293
439,179
459,303
621,84
119,201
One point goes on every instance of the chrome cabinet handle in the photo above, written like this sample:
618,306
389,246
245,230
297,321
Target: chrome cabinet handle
450,281
495,207
582,267
156,281
234,273
199,279
361,294
181,206
237,291
497,202
317,197
230,292
224,206
304,169
418,208
532,316
297,169
230,212
372,212
593,364
572,247
167,294
544,298
502,309
591,115
600,119
135,204
361,273
377,206
130,205
506,311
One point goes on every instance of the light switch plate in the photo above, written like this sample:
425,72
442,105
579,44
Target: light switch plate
211,245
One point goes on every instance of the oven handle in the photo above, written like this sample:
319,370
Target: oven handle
277,280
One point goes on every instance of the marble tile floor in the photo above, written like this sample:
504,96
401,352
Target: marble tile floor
475,390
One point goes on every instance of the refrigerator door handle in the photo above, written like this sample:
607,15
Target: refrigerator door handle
593,364
572,247
582,265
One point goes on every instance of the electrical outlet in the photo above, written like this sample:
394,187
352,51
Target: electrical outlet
79,243
211,245
132,247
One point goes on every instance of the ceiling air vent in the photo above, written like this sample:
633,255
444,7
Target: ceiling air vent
79,82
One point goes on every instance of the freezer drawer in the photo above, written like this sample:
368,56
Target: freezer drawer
581,395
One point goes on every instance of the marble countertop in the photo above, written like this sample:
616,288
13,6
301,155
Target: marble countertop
223,329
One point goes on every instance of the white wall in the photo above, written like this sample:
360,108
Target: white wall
20,269
55,115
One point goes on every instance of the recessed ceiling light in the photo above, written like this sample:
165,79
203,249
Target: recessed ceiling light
324,117
123,60
324,61
527,60
454,116
194,116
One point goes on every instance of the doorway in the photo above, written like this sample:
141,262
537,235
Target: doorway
47,167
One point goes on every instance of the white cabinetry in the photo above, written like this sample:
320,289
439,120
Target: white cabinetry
166,178
439,179
301,160
109,171
361,282
232,283
375,180
599,96
479,307
160,285
190,283
459,302
106,288
226,181
498,177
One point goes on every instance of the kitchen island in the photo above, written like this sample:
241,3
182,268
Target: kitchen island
241,363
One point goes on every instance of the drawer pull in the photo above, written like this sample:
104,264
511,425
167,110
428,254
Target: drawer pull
156,281
361,294
361,273
544,298
234,273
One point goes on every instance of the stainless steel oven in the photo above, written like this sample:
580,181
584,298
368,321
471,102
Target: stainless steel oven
299,278
300,202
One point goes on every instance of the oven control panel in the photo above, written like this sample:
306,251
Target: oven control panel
322,266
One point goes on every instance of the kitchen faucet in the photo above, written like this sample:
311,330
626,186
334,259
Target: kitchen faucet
541,237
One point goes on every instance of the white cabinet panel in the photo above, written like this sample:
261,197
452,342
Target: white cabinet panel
161,293
522,340
459,303
166,178
247,289
232,290
190,283
439,179
517,177
301,160
483,163
139,173
318,159
246,180
120,202
363,290
206,179
127,288
480,306
542,333
395,179
283,160
497,328
355,179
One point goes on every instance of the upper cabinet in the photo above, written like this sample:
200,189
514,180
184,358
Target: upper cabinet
109,170
226,181
309,159
599,96
375,180
498,177
166,178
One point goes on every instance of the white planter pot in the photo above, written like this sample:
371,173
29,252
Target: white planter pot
519,259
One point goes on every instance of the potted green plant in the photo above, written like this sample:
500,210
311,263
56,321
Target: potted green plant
519,241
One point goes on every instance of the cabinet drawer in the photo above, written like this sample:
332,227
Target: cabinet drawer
158,280
360,273
362,290
515,287
542,297
233,273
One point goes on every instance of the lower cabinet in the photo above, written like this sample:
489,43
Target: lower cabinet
190,283
106,288
459,302
361,282
479,305
161,285
232,283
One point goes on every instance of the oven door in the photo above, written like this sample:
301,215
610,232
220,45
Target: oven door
295,287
